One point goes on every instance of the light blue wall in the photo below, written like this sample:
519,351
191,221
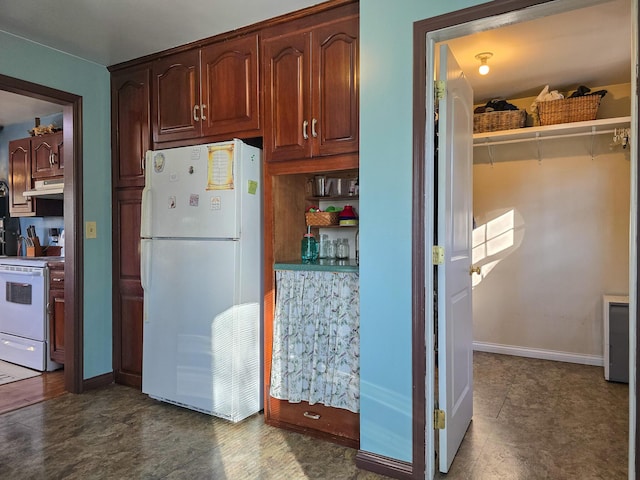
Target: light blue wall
386,132
33,62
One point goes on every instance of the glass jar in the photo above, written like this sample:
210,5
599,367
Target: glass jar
323,246
342,248
309,248
331,249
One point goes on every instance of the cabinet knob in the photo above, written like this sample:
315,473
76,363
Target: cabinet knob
305,124
313,127
202,107
195,113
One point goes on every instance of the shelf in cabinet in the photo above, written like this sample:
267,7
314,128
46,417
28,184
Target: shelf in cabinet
561,130
333,197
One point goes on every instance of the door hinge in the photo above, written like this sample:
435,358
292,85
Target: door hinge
437,255
440,89
438,419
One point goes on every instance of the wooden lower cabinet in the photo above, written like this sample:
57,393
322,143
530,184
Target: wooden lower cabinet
335,424
128,293
56,311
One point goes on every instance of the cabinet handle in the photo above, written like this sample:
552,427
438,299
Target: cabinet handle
195,113
312,416
313,127
58,279
51,159
142,164
305,124
202,107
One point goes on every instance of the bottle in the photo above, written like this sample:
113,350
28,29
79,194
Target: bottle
309,247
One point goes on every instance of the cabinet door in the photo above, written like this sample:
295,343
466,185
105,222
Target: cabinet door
130,120
58,159
56,315
20,176
230,87
176,97
335,126
287,102
128,293
46,156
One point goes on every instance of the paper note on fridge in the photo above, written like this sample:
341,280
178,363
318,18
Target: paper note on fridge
220,167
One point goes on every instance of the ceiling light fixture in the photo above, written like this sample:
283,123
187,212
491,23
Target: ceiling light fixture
483,69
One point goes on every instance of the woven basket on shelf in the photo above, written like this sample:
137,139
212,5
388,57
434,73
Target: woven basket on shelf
321,219
567,110
499,120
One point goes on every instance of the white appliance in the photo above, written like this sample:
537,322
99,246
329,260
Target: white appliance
201,269
24,325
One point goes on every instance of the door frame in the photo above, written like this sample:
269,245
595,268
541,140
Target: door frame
74,251
423,227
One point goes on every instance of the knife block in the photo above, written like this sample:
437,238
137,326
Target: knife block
36,250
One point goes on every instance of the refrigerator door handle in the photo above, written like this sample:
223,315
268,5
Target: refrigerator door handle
144,263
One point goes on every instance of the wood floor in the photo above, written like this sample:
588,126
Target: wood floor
32,390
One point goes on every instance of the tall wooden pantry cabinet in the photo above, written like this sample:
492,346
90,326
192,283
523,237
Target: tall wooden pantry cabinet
130,96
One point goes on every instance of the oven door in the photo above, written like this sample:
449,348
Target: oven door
23,301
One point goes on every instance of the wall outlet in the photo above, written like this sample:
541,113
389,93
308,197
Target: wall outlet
90,230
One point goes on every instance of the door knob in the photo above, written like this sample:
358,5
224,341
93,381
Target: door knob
473,270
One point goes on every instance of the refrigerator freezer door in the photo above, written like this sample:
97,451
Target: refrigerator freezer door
201,348
192,192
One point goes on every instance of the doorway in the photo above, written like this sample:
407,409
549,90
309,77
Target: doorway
483,16
74,262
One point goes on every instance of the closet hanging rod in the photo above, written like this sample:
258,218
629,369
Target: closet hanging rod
541,137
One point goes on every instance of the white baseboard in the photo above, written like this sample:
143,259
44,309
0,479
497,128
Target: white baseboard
596,360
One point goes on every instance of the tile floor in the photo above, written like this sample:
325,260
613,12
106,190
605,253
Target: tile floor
537,419
533,420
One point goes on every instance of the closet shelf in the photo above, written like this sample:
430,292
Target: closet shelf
561,130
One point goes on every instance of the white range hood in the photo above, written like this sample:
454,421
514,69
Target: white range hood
53,188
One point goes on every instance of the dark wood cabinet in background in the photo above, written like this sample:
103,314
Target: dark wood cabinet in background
20,176
47,159
20,180
207,92
311,91
56,311
130,110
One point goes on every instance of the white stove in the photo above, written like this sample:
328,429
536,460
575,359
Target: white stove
24,325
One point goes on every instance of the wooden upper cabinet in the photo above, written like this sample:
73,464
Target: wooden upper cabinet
130,116
287,61
207,92
47,156
176,96
19,176
336,80
311,92
230,87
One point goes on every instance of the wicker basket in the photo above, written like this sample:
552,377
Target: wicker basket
321,219
500,120
567,110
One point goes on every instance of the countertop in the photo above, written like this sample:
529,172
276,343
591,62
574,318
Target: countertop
31,261
322,265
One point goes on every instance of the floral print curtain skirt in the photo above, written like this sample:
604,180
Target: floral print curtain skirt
316,342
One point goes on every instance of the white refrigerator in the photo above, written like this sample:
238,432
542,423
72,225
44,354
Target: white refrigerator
201,269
